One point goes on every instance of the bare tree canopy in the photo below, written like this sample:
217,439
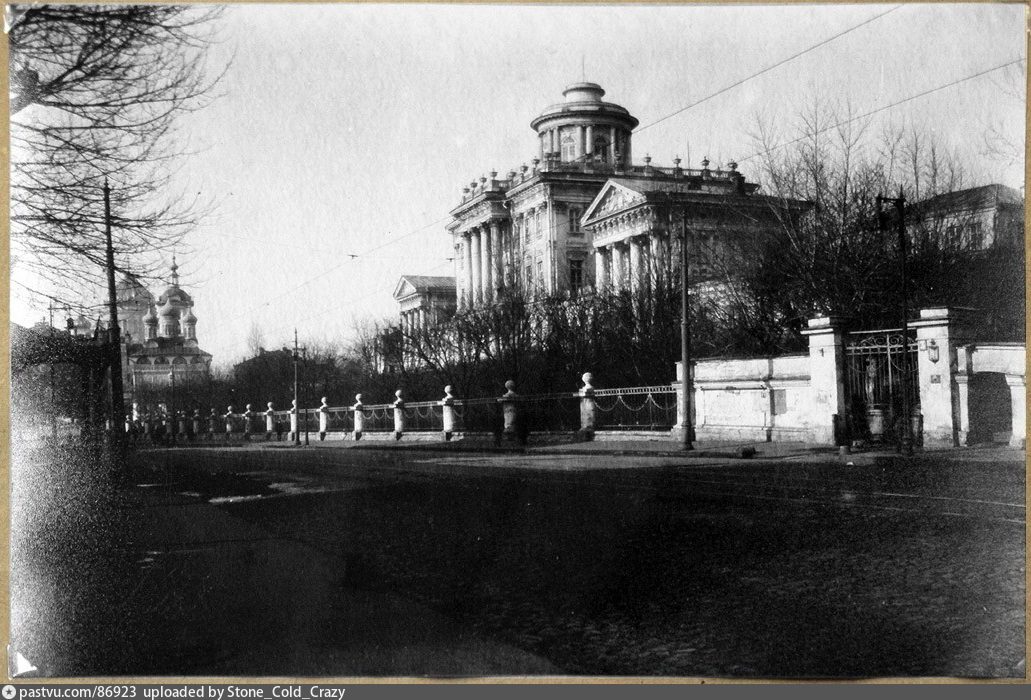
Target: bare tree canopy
95,94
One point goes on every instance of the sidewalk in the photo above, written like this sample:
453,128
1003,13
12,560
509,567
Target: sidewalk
637,446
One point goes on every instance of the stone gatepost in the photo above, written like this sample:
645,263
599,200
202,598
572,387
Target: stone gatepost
198,424
588,407
399,415
294,434
270,421
938,338
182,423
359,417
1018,406
229,421
323,419
448,413
826,377
510,412
212,423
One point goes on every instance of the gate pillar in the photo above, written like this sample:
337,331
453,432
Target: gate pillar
1018,397
826,376
937,336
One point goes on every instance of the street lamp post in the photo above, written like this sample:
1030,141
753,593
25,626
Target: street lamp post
171,404
900,207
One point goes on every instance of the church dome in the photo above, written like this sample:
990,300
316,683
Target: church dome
173,292
188,316
150,318
168,309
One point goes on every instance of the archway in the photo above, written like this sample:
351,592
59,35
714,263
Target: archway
990,410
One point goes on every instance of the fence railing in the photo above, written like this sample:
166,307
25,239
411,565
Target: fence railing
583,411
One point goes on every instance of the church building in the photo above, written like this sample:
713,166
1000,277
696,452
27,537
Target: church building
159,335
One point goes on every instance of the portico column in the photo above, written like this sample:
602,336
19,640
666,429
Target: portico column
581,144
487,273
618,281
497,273
612,144
655,270
600,278
589,146
636,265
468,298
477,267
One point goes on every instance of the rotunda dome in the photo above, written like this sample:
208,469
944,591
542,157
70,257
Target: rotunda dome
583,127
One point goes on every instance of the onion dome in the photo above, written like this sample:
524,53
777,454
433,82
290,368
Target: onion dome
150,318
168,309
188,316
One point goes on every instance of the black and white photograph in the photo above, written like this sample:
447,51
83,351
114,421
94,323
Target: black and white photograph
543,342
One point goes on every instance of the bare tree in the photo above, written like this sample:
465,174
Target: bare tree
255,340
95,95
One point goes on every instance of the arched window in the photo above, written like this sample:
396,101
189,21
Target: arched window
568,148
179,361
160,361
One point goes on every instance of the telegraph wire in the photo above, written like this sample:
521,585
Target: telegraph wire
768,69
884,108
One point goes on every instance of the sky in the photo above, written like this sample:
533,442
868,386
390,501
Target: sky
344,134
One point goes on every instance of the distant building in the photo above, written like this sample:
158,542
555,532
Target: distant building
528,229
424,300
159,335
975,219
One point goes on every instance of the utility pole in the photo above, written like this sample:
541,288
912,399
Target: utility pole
297,358
297,404
900,208
685,329
114,336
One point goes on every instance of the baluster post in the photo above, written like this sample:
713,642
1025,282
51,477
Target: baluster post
270,421
448,413
359,417
399,415
588,408
323,419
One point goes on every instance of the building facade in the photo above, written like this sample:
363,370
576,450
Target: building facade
974,219
543,228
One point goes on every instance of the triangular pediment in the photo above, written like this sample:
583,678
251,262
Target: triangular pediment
404,288
613,197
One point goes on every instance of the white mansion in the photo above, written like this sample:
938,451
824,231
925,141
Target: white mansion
582,214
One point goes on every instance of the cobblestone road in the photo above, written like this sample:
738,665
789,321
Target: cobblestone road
669,568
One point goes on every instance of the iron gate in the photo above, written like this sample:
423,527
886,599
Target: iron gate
878,364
